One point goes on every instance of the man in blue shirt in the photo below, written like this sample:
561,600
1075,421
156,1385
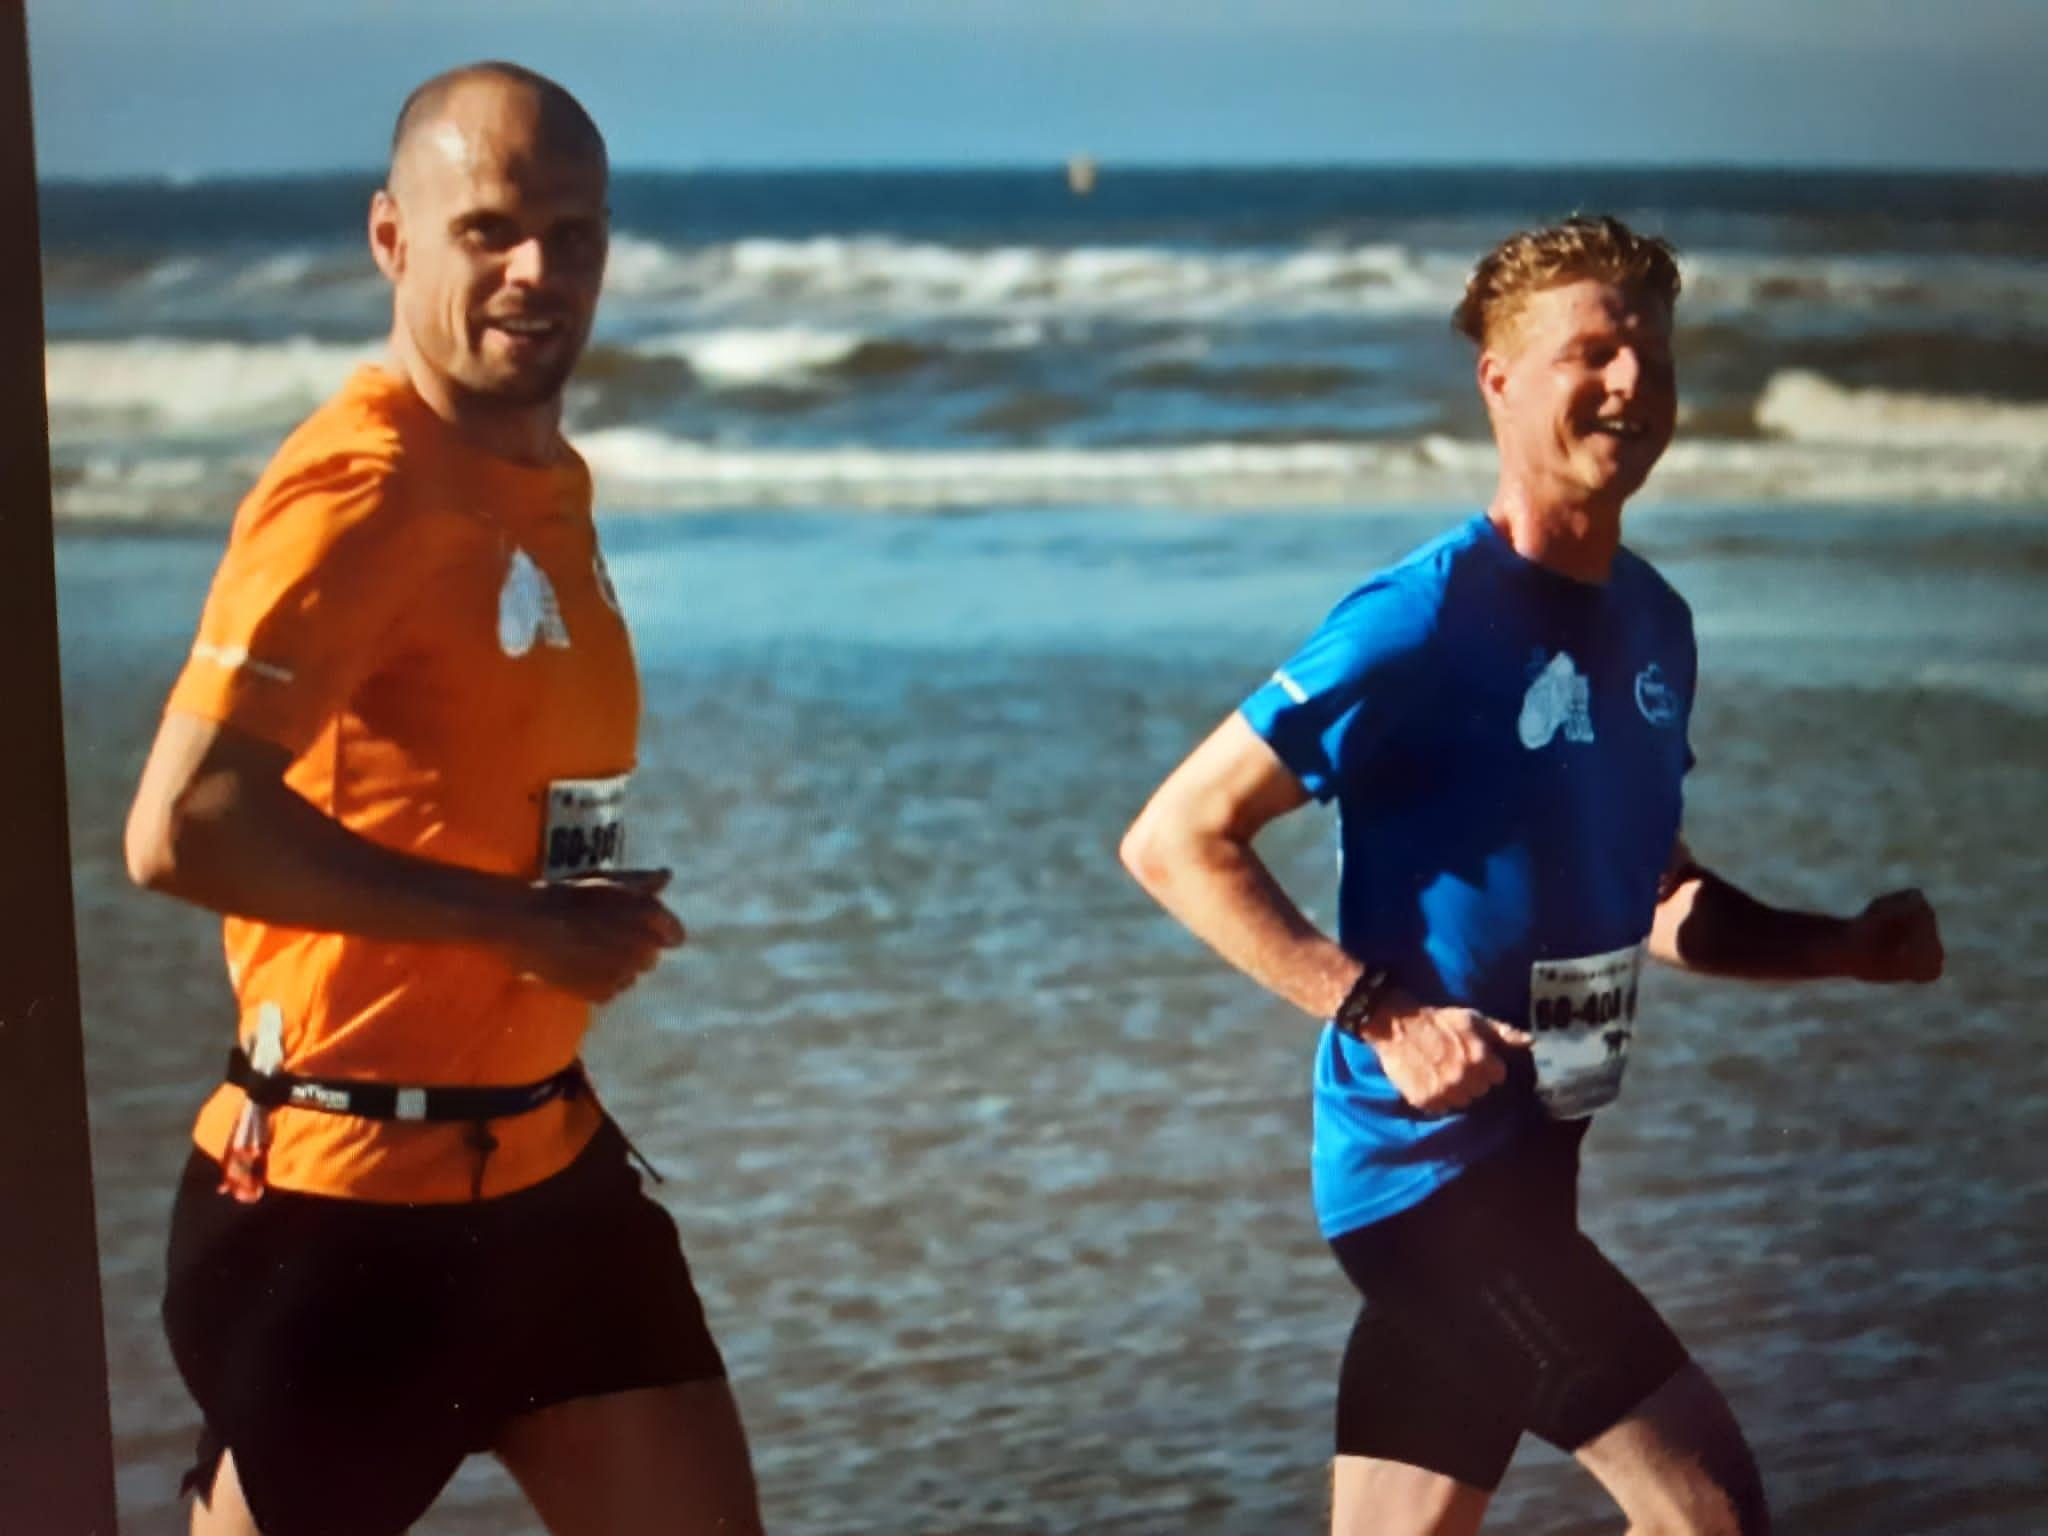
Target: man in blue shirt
1501,719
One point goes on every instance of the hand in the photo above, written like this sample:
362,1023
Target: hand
594,937
1895,938
1440,1059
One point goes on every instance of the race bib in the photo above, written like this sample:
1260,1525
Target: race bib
1583,1016
585,831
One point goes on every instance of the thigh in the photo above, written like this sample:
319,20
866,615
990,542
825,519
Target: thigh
658,1461
1569,1342
221,1508
1678,1461
592,1295
315,1336
1505,1304
1370,1497
1401,1404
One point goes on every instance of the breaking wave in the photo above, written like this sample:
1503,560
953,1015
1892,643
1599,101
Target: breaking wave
182,386
641,468
887,275
1808,408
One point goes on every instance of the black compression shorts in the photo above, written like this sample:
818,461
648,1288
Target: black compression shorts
351,1354
1487,1314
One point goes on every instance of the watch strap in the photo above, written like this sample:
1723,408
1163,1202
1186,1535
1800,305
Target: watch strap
1359,1004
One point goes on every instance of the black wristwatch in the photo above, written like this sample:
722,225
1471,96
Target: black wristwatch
1356,1011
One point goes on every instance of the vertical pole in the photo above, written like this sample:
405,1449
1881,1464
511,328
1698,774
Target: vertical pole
56,1443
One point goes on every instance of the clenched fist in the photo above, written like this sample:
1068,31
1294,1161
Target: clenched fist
1440,1059
1895,938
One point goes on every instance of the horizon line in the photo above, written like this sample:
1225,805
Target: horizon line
1141,165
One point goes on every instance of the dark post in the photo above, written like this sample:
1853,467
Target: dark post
56,1444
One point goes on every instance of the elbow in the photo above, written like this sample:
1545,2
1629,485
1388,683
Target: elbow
1155,852
168,840
1140,854
150,846
1674,938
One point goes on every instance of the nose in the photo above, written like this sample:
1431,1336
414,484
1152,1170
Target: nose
527,266
1624,372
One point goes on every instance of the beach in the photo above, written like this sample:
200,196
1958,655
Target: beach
995,1184
948,511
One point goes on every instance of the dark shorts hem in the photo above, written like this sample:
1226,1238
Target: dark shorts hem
351,1355
1488,1314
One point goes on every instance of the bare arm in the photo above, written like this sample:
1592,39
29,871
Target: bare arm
1703,923
1191,849
215,824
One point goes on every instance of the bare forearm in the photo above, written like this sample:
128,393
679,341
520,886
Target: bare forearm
262,852
1711,926
1224,894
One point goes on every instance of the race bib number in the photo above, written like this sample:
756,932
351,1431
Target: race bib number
1582,1014
585,832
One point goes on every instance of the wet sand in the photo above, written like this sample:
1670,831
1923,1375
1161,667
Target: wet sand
995,1184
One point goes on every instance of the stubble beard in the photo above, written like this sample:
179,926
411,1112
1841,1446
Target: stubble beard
521,390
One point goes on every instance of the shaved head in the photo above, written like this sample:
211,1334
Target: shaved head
432,116
493,229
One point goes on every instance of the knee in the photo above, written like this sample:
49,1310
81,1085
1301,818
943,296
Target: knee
1714,1508
1742,1508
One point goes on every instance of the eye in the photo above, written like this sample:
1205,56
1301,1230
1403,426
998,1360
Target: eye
578,242
488,232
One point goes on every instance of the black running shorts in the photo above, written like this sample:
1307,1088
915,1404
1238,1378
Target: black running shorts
351,1354
1488,1313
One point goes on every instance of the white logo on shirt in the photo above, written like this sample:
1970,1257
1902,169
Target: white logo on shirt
1557,700
527,609
1657,699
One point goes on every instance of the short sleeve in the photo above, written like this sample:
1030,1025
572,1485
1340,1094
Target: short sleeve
1343,693
318,569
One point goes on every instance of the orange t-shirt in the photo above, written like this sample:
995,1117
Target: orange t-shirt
430,631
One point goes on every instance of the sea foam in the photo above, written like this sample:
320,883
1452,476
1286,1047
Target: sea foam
1810,408
179,385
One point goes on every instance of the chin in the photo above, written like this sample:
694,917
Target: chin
1620,480
518,391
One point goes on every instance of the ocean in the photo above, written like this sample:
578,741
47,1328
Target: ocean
994,1182
1236,338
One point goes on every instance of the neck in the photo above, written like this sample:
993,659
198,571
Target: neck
525,434
1575,538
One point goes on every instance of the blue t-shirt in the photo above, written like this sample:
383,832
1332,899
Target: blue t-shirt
1506,747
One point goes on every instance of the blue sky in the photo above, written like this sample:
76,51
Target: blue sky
190,87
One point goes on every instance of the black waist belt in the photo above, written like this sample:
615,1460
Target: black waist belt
390,1101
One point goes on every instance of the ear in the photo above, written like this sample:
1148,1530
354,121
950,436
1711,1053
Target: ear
1491,373
387,234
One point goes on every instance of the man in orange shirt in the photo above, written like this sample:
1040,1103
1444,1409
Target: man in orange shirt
396,760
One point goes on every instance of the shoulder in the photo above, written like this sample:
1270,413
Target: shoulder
1407,599
1646,584
356,465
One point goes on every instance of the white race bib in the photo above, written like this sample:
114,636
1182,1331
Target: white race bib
585,832
1583,1015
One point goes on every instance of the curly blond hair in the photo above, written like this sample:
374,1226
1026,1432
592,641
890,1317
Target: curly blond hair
1598,247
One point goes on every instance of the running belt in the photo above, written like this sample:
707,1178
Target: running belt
390,1101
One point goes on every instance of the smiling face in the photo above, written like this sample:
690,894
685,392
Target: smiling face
1582,393
493,234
